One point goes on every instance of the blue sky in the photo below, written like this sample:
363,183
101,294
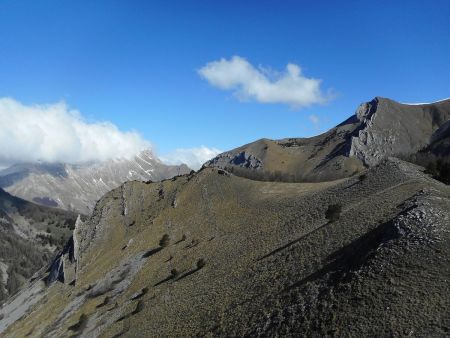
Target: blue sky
136,63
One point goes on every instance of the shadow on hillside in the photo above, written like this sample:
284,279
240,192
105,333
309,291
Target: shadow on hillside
287,245
188,273
175,276
351,257
151,252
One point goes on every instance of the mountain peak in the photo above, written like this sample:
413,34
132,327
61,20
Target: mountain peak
366,109
78,187
390,128
379,128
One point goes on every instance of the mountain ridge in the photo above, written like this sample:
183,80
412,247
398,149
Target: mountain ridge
78,187
379,128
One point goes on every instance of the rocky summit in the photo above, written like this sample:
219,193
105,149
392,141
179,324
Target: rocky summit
355,242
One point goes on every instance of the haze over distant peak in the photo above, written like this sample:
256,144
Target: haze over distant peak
78,186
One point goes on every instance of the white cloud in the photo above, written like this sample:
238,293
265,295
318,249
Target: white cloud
264,85
55,133
193,157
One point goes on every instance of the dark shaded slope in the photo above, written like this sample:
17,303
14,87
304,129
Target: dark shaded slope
440,142
29,236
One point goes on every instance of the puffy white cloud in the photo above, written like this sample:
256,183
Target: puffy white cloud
264,85
193,157
55,133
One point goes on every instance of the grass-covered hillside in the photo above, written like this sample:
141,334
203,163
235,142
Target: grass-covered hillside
213,254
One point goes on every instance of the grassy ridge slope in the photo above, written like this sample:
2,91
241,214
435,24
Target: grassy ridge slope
247,258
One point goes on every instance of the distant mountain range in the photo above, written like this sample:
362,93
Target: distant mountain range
360,250
78,187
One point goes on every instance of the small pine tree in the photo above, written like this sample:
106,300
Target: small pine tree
200,263
164,241
333,212
174,273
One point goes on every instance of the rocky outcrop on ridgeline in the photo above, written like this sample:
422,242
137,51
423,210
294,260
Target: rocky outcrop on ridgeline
65,265
389,128
243,160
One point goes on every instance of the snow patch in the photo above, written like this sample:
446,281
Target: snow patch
151,158
421,103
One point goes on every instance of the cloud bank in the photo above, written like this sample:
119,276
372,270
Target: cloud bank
55,133
193,157
247,82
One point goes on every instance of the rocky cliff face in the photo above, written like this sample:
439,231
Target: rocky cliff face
64,266
78,187
242,160
389,128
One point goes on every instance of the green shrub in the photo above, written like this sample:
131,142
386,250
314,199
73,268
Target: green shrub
263,175
164,241
200,263
333,212
174,273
